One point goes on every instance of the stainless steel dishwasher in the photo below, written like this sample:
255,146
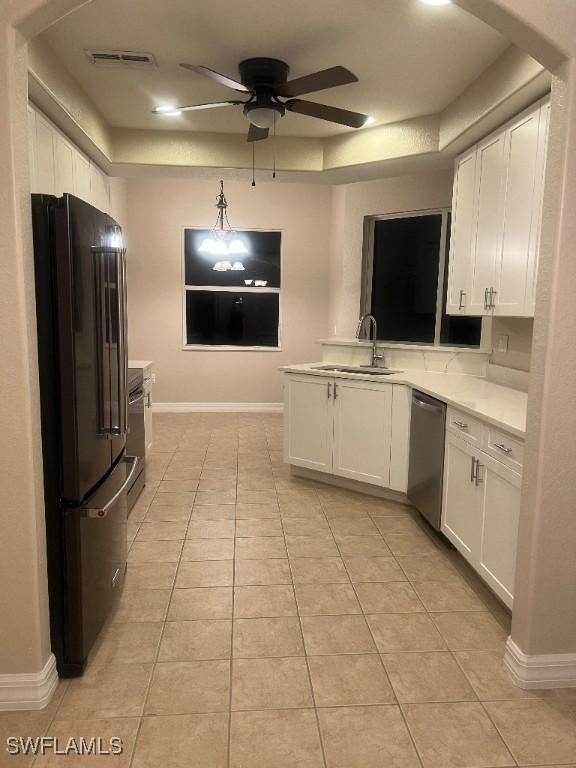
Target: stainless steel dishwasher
426,468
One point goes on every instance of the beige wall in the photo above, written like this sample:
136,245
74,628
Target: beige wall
158,209
519,332
350,204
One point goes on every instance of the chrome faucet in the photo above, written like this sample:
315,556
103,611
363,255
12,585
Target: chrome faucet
374,330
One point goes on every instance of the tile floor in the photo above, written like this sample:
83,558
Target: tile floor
272,622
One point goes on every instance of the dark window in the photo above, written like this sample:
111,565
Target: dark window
406,269
232,299
232,318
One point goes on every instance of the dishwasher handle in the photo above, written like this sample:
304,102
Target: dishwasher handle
427,406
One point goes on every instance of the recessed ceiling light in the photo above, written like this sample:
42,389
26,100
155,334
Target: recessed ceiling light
167,109
371,120
436,2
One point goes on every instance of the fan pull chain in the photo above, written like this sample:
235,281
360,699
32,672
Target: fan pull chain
253,159
274,150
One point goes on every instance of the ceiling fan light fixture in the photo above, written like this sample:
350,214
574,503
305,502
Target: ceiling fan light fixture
436,2
262,117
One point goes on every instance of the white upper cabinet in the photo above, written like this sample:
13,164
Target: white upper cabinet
45,181
58,167
32,149
463,231
532,275
497,204
520,209
81,177
64,161
488,217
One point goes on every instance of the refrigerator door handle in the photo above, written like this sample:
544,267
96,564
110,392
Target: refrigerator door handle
103,509
102,340
121,345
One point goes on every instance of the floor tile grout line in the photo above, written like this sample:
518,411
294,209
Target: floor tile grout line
231,677
402,715
310,683
147,694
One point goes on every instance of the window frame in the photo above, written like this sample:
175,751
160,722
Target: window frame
230,289
368,267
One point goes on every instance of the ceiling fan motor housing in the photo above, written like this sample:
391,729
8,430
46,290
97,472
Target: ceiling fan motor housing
262,72
263,76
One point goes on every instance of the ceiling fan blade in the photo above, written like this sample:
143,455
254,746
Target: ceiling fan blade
222,79
193,107
257,134
324,112
318,81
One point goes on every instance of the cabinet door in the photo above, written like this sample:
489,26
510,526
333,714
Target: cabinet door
462,501
488,236
45,167
532,270
499,536
99,191
362,431
64,162
463,231
520,213
81,177
308,422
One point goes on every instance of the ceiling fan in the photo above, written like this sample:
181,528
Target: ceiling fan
265,82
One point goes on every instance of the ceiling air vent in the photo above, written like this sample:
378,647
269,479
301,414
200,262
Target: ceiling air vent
121,58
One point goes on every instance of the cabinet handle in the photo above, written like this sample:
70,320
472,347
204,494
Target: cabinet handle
335,390
473,470
486,298
477,478
329,390
502,447
492,302
461,424
461,304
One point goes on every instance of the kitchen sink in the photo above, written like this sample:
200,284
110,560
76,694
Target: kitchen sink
365,369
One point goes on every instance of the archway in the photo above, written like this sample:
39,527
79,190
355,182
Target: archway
546,32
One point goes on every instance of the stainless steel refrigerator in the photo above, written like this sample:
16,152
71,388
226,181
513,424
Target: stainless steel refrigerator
80,271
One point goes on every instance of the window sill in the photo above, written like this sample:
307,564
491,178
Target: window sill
399,345
225,348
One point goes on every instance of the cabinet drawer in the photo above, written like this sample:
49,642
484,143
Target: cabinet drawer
509,450
466,426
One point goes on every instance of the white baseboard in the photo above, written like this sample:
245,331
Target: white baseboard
350,485
29,690
217,407
554,670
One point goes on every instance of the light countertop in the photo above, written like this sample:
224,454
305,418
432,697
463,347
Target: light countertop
502,406
140,363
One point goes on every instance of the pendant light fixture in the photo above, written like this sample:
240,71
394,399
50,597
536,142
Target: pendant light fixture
223,240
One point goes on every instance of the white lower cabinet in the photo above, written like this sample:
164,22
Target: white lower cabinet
345,427
308,422
480,513
362,431
462,510
499,538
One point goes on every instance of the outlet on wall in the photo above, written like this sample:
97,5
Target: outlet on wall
503,341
